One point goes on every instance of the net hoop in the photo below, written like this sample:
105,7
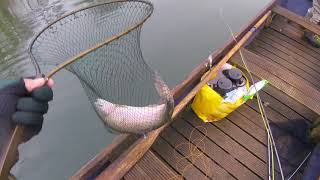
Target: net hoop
100,44
87,51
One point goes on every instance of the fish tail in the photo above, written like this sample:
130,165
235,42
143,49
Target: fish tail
165,95
104,106
162,88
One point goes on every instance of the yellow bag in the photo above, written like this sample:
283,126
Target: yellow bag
209,106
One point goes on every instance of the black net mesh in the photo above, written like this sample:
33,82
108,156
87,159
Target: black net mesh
105,41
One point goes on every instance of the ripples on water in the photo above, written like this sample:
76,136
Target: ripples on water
19,21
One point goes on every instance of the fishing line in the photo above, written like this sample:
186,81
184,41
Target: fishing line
264,117
303,161
195,148
261,108
269,156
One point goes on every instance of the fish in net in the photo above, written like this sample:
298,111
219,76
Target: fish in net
100,44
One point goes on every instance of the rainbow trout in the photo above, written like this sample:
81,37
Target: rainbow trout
138,120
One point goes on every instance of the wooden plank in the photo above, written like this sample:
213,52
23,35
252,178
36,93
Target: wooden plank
193,154
300,154
278,27
255,118
296,18
291,50
251,112
186,169
254,127
283,104
291,41
152,167
289,146
274,48
281,25
260,135
250,126
283,74
280,107
103,157
239,144
137,173
127,159
242,138
304,94
296,106
288,101
237,134
286,25
269,55
274,115
283,123
287,29
291,150
283,138
221,156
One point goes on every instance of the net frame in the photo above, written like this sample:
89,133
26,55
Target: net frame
160,111
87,51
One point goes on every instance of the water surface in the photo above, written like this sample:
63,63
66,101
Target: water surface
178,36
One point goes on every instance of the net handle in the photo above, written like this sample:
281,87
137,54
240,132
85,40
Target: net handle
87,51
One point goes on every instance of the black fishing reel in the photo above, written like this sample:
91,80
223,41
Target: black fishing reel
236,76
233,79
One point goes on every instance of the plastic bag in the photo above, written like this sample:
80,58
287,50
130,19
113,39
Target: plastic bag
210,106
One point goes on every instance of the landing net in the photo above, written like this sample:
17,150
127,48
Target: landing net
101,46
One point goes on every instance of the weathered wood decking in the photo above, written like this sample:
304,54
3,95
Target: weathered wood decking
236,147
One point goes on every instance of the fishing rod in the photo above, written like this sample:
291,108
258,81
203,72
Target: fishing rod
271,143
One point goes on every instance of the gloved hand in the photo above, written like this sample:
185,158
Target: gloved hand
23,101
